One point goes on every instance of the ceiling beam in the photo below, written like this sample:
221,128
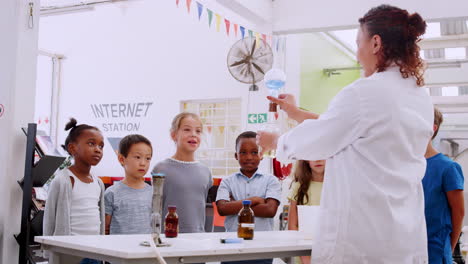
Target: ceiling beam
453,110
302,16
456,75
455,135
451,41
259,12
451,101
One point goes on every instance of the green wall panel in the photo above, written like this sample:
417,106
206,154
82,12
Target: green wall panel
317,89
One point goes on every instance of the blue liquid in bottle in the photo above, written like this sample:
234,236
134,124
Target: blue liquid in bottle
275,84
274,87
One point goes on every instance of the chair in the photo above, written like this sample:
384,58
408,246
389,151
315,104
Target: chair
218,221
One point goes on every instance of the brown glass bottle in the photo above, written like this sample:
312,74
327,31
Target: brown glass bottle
171,223
246,221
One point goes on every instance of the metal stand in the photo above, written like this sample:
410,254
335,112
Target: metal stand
156,216
35,175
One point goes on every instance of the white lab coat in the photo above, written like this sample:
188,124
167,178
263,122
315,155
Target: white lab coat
373,136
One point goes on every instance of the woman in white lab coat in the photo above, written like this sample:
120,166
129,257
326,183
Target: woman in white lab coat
374,136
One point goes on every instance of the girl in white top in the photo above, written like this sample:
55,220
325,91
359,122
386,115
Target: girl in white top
75,202
373,136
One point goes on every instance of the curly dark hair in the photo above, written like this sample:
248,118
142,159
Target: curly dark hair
75,132
400,32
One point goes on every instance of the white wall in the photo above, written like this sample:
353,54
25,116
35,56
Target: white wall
306,16
258,11
140,51
18,50
292,64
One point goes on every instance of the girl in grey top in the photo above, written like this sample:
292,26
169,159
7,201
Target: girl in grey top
187,181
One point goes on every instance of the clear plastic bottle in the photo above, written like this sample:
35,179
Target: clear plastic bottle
171,223
246,221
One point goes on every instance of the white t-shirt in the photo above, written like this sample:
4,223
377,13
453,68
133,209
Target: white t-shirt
84,210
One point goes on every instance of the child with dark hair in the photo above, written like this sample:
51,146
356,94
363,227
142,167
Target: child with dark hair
262,189
128,203
444,202
75,202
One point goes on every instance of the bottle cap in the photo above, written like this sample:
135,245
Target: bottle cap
171,207
245,202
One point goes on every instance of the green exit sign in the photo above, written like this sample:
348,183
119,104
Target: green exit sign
257,118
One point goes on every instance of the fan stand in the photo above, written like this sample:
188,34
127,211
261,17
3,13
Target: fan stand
253,88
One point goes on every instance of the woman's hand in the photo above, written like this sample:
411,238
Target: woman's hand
287,103
267,140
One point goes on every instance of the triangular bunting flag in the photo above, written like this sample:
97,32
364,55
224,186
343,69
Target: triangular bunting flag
189,3
235,29
218,21
200,9
250,33
177,3
221,129
257,38
242,29
228,25
264,39
210,16
270,39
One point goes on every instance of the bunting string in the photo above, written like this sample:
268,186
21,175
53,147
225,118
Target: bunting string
203,11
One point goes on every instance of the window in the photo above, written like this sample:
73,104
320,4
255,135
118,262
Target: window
221,120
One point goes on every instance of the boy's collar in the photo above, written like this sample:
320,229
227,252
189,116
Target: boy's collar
257,172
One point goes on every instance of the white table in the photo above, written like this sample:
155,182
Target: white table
186,248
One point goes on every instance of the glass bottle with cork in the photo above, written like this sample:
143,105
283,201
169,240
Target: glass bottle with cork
171,222
246,221
274,80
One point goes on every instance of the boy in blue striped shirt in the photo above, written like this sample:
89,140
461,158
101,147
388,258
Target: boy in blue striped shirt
262,189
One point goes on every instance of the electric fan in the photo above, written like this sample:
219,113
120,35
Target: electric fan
248,60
